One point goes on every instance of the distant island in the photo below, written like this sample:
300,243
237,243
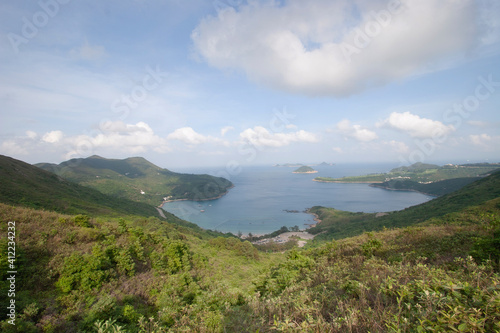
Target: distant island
424,178
297,165
305,169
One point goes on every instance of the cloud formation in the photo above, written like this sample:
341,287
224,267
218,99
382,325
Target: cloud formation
261,137
356,131
188,136
337,48
50,137
415,126
482,140
226,129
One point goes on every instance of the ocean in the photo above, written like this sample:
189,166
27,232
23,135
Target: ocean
265,198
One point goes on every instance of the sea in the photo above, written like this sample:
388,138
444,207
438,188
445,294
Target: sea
265,198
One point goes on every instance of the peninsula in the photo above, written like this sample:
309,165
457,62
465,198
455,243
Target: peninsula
424,178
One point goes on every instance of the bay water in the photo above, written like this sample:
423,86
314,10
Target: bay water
265,198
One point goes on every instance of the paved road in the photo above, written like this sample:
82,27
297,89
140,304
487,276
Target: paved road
160,211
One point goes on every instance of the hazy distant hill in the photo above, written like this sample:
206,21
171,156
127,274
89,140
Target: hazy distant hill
421,172
26,185
137,179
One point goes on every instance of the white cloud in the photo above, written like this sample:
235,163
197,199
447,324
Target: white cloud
13,148
32,135
260,136
416,126
356,131
337,150
118,137
337,48
187,135
53,136
121,127
226,129
398,147
480,139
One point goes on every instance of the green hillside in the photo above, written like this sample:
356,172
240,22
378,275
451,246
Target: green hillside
25,185
338,224
436,188
421,172
139,180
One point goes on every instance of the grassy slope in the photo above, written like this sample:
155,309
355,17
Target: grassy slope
26,185
71,276
415,279
137,179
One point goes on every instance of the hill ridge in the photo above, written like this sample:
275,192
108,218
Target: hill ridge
138,179
26,185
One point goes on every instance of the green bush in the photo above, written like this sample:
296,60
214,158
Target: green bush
85,272
174,257
82,221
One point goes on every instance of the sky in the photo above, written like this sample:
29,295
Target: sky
231,83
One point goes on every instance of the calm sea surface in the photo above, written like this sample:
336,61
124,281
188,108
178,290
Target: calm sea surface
263,197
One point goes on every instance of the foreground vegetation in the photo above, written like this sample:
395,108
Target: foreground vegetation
77,274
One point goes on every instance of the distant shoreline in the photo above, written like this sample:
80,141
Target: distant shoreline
206,199
402,189
348,182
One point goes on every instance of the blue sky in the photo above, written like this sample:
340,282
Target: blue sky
233,82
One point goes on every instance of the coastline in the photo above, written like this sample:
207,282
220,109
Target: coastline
206,199
316,218
303,235
402,189
306,172
348,182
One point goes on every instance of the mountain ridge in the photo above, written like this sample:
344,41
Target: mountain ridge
26,185
138,179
